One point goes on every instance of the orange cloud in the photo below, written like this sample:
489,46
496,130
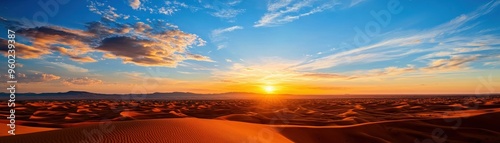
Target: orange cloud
23,51
81,81
453,63
47,39
140,44
35,77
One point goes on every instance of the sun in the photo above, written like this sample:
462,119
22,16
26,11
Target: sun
269,89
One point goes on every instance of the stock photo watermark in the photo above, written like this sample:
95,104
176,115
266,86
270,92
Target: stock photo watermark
12,81
49,8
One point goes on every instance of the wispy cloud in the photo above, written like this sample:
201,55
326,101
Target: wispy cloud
217,36
227,13
285,11
69,67
453,63
356,2
217,32
224,10
277,4
402,45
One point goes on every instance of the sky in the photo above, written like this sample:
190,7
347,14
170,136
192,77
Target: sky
262,46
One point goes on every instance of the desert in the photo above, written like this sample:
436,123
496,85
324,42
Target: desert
421,119
250,71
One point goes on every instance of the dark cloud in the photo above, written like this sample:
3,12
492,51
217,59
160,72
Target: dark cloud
149,52
74,55
54,39
139,44
23,51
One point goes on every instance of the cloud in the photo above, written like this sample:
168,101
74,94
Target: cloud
166,8
51,39
233,3
163,49
217,32
107,12
69,67
277,4
166,11
139,44
491,64
355,2
81,81
198,57
280,72
454,51
383,72
23,51
74,55
404,43
267,70
134,4
35,77
327,76
171,7
284,11
227,13
217,36
221,46
223,10
451,64
390,71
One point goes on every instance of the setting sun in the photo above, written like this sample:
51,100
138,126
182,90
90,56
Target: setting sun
269,89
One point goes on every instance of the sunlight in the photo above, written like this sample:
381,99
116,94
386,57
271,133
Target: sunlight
269,89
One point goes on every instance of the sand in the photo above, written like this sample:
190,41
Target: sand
187,130
477,128
24,130
417,120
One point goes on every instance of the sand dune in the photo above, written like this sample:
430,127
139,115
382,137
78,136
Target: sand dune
458,119
187,130
25,130
478,128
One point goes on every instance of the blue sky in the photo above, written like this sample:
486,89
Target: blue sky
306,47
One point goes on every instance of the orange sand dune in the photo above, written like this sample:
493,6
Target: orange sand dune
189,130
24,130
478,128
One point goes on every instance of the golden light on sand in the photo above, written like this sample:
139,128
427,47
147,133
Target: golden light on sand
269,89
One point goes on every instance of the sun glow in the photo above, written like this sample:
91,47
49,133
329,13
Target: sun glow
269,89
